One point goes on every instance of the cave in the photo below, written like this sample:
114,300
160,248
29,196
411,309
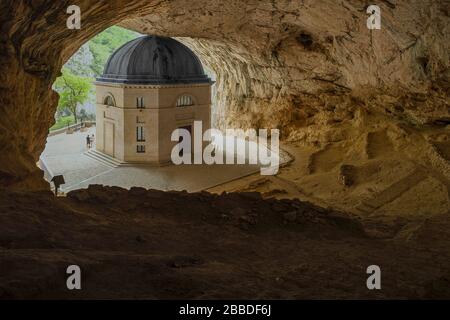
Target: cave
363,113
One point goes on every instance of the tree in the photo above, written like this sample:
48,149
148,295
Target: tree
83,115
73,90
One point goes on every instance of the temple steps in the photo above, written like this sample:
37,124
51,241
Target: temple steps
103,158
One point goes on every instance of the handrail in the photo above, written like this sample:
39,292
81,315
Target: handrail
75,127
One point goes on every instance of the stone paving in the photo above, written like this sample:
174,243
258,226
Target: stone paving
65,154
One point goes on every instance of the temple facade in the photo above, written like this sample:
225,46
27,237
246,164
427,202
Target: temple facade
150,87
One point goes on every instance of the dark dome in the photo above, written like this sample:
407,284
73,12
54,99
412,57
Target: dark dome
154,60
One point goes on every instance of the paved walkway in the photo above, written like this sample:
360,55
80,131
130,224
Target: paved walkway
65,154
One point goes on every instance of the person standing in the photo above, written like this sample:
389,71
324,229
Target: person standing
88,142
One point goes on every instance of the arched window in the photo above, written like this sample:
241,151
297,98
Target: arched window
109,100
185,101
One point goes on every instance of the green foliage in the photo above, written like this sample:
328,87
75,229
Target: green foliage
75,85
105,43
73,91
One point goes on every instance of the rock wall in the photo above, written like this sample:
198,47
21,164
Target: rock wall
278,63
273,59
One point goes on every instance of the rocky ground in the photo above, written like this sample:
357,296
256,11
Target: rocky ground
366,164
156,245
372,191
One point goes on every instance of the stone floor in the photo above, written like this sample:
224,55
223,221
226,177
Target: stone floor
65,154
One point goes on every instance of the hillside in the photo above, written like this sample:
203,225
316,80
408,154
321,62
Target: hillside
92,56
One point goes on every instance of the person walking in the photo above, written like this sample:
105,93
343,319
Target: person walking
88,142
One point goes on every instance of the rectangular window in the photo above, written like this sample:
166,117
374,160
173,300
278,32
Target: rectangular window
140,137
140,149
140,103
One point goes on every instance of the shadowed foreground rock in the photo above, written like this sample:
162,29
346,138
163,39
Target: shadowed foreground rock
151,244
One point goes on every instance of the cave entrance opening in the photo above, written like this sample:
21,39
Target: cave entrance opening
72,148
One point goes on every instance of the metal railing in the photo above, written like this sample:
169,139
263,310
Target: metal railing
73,127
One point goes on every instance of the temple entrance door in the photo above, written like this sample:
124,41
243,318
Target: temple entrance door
109,138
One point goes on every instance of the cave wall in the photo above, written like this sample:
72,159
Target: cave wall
276,62
280,56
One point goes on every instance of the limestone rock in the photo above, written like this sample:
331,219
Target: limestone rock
278,64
